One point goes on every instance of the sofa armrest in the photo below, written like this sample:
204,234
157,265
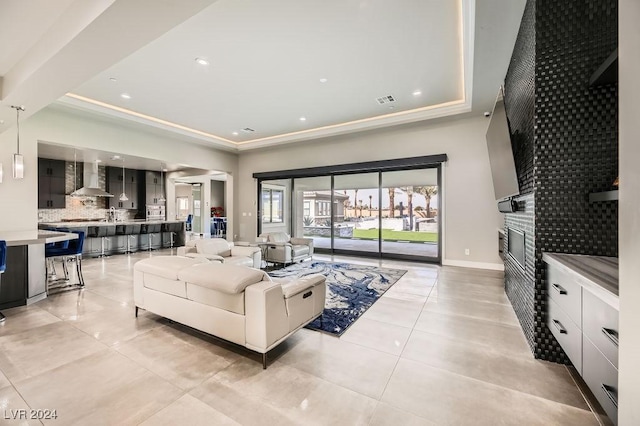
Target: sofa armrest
266,318
253,252
183,251
304,241
301,284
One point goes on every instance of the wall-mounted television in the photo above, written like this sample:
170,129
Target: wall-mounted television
503,168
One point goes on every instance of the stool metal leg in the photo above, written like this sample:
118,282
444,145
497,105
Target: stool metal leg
79,269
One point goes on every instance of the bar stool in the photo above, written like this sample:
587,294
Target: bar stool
51,251
73,252
98,232
3,266
149,229
154,228
171,229
132,231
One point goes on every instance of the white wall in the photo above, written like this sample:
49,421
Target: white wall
629,204
470,213
18,208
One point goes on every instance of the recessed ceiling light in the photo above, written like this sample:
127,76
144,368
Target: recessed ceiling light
323,80
125,96
235,133
115,157
417,93
303,118
202,61
113,79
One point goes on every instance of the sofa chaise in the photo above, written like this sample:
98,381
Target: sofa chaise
236,303
223,251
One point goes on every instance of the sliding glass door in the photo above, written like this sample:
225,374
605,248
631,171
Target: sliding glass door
312,210
355,217
389,208
410,213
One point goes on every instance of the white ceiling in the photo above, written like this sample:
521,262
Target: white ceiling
266,60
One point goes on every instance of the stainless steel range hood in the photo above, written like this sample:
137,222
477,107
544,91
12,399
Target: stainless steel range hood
90,188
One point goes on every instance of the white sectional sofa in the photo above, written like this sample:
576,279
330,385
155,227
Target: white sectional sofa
236,303
223,251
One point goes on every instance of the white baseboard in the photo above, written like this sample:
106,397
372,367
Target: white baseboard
478,265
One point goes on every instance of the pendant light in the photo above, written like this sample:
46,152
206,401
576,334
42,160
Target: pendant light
75,173
162,199
123,196
18,159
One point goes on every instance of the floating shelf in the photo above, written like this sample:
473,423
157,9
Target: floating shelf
606,73
595,197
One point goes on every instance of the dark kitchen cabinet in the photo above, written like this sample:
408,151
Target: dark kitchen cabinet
154,187
51,184
114,186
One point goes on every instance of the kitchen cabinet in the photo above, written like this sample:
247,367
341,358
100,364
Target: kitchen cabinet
51,184
583,310
114,186
154,187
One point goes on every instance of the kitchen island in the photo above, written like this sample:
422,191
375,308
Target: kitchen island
106,238
24,280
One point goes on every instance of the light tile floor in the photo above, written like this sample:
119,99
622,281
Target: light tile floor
441,347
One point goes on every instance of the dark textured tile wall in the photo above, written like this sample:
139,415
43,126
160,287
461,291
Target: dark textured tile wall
564,136
519,98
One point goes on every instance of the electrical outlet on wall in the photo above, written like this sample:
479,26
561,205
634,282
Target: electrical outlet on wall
466,252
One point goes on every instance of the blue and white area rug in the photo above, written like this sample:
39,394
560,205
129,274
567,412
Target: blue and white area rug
351,290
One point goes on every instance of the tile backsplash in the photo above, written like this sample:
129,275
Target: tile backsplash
81,208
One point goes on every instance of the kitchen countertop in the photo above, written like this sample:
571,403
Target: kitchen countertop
599,274
36,236
104,223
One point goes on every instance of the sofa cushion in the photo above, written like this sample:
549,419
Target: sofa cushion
211,257
239,261
217,246
278,237
228,302
224,277
167,266
299,250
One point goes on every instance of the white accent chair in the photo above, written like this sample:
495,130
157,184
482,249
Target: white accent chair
239,304
218,249
283,249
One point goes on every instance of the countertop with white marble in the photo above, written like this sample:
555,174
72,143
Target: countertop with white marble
599,274
36,236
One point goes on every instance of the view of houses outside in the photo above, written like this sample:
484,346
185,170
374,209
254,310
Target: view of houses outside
413,218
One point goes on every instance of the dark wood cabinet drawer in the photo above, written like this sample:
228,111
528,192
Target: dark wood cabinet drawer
566,332
600,325
566,292
601,377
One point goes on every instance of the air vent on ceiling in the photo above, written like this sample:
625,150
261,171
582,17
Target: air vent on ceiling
386,99
248,130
